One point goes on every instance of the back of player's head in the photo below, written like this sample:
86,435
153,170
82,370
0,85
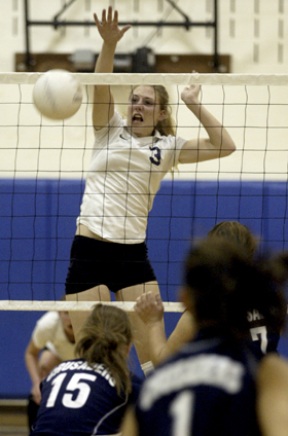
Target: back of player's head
237,233
105,338
223,284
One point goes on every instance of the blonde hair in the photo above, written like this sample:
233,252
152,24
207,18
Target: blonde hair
105,338
166,126
237,233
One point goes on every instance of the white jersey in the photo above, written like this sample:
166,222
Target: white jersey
123,178
49,333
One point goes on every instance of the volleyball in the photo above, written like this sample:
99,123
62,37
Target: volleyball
57,94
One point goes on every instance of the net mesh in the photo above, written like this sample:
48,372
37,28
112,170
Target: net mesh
43,165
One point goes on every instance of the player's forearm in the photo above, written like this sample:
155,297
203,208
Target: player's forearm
32,368
218,134
102,93
104,64
157,342
105,60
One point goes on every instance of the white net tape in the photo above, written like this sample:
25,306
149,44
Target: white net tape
158,79
128,306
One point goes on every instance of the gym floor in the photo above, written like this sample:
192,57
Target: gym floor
13,418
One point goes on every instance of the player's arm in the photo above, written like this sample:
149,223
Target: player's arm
129,425
150,309
272,396
218,144
103,102
184,331
31,360
48,360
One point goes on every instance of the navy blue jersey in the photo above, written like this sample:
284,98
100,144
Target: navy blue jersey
207,389
264,339
81,400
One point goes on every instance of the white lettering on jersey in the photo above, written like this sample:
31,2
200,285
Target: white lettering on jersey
219,371
254,315
80,365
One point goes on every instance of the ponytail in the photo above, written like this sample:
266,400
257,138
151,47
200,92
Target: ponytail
105,339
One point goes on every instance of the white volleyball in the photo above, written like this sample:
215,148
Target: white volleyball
57,94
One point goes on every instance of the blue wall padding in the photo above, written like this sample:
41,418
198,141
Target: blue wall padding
38,223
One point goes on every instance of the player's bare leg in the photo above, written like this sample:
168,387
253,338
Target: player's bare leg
78,318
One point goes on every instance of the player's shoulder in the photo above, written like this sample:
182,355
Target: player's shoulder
273,369
273,362
50,318
116,121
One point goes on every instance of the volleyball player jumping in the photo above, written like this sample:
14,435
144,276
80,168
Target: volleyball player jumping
129,159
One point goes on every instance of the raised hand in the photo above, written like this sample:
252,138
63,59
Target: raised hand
108,26
149,307
190,94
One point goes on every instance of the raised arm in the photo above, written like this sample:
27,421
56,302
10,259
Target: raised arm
218,145
103,103
150,309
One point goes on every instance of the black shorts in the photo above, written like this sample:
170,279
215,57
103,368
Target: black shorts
118,266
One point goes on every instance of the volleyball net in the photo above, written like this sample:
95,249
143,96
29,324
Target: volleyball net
43,164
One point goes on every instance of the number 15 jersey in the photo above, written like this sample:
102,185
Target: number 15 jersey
81,400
